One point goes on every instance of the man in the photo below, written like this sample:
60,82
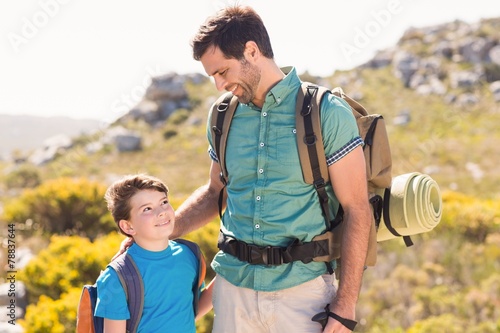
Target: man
267,202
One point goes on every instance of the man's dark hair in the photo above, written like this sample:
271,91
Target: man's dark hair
229,30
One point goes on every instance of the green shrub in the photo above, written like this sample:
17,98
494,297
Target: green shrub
53,316
470,217
25,176
169,133
62,206
68,261
178,117
446,323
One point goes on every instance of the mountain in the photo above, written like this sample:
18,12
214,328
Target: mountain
26,133
438,89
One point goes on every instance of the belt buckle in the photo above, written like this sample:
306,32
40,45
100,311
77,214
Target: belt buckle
256,255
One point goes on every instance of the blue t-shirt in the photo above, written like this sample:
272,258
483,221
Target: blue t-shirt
168,278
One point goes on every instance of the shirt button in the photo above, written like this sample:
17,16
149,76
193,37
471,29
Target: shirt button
294,131
257,226
261,170
264,114
262,144
257,197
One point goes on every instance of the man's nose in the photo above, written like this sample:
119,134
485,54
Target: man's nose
220,83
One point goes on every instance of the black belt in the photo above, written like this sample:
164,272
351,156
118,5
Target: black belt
272,255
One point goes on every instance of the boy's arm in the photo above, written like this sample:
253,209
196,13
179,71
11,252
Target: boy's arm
115,326
205,303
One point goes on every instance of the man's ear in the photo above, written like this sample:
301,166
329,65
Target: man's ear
126,227
252,51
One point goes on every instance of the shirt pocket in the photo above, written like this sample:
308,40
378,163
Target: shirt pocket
286,146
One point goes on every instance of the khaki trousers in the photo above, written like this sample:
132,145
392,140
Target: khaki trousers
242,310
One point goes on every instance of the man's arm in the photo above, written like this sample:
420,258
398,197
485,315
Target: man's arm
201,207
348,177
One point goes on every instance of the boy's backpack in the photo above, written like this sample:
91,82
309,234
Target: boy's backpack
314,166
132,283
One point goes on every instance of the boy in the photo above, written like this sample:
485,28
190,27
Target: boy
140,207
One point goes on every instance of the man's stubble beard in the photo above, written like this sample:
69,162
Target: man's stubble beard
250,79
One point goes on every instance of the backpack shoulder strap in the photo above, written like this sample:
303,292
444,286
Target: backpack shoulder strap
202,269
309,137
132,283
310,142
221,116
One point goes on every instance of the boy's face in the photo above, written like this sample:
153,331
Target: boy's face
151,216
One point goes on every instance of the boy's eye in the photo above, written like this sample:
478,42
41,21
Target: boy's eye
164,202
147,209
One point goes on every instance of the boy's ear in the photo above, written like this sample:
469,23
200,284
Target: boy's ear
126,227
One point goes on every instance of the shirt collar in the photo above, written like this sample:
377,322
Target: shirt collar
282,89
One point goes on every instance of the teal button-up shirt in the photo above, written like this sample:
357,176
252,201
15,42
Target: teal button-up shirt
268,201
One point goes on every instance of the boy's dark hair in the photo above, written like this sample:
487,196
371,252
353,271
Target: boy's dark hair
119,193
229,30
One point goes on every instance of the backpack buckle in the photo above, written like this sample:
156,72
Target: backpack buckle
310,140
222,106
319,183
306,110
222,179
268,255
216,130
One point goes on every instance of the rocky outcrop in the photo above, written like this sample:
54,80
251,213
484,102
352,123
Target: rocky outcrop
123,139
456,56
50,149
166,94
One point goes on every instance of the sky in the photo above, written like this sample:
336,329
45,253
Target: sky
94,59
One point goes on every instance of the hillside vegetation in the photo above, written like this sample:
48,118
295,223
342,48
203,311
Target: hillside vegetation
449,281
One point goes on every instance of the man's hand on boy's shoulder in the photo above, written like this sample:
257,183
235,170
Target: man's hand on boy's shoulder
125,244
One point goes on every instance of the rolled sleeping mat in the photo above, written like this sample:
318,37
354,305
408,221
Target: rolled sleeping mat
413,206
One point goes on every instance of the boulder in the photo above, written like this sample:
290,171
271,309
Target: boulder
405,65
124,139
495,90
50,148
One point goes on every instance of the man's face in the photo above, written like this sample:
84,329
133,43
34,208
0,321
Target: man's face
240,77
